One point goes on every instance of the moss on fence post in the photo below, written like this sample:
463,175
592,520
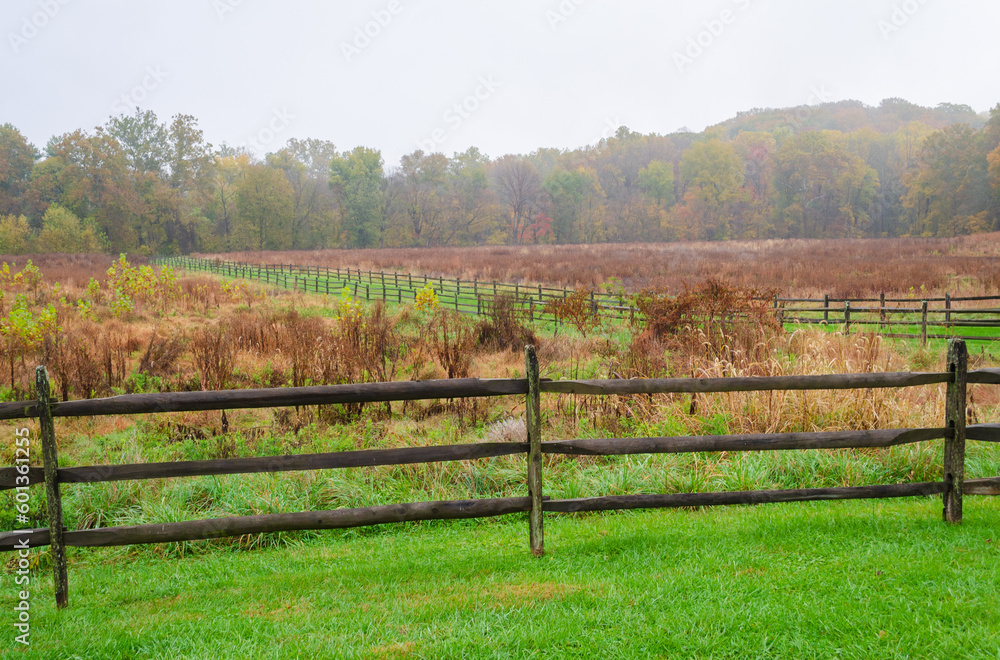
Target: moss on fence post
954,447
533,423
53,499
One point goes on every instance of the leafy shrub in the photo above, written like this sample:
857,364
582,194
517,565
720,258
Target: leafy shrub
347,306
132,287
426,298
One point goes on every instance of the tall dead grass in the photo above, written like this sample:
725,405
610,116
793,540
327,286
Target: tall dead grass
813,352
841,268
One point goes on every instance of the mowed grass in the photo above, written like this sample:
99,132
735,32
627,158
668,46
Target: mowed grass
864,579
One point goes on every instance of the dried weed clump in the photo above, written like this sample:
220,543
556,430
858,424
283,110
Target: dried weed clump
504,327
452,342
721,331
575,309
714,321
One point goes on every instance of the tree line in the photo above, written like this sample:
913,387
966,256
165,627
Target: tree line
837,170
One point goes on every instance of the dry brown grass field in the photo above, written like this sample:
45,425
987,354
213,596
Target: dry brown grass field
70,270
964,265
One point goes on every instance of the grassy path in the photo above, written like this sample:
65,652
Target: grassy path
873,579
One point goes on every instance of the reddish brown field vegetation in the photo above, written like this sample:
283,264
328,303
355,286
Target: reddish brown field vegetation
70,270
853,267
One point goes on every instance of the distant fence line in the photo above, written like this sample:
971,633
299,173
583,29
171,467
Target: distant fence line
467,296
893,317
952,486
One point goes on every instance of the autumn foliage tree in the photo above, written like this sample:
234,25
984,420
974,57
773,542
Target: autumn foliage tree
830,170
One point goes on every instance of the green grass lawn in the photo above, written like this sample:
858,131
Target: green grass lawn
865,579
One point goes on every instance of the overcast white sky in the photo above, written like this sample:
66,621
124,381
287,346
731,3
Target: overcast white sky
544,73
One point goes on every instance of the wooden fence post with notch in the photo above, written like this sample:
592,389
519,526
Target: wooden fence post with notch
533,424
53,500
954,447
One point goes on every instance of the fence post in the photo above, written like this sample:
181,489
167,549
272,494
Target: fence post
533,424
923,322
947,308
826,307
53,500
881,307
847,317
954,447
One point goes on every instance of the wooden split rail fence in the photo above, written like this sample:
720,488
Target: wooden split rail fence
21,477
924,318
893,317
466,296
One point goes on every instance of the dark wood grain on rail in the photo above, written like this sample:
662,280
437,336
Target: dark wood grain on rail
130,404
213,528
749,384
750,442
672,500
340,459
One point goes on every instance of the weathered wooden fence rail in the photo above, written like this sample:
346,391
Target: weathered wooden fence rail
21,477
893,317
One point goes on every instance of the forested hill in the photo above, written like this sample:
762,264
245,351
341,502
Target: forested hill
830,170
846,116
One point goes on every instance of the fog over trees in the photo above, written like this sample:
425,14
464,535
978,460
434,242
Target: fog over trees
139,183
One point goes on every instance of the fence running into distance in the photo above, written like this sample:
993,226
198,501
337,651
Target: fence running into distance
466,296
917,318
952,486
